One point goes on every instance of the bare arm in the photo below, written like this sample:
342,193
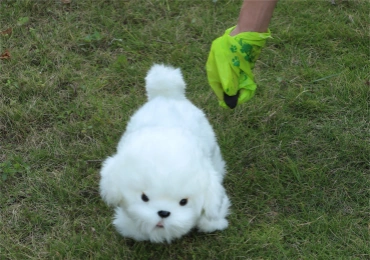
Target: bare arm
255,16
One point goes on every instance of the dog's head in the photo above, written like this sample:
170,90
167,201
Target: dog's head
161,180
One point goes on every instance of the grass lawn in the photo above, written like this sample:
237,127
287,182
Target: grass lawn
298,153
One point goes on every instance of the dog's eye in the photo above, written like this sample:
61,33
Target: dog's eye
144,197
183,202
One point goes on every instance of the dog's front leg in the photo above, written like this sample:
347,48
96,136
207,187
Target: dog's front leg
215,208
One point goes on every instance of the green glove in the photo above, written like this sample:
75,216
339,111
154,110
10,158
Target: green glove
230,63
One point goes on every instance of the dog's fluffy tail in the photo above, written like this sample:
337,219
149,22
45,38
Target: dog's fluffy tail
164,81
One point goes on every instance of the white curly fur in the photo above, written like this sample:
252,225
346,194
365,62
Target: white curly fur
168,153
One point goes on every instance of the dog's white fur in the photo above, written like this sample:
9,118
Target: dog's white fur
169,153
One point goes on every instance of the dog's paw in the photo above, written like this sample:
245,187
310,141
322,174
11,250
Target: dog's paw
215,218
210,225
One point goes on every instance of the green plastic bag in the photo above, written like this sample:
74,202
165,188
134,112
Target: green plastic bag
230,63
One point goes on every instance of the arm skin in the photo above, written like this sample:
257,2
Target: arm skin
255,16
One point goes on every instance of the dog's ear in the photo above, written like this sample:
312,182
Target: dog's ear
215,208
111,175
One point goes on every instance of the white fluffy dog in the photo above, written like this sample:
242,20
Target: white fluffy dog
166,177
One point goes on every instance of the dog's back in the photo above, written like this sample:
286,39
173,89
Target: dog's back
167,105
168,108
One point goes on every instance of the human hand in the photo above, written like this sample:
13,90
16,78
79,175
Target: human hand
230,63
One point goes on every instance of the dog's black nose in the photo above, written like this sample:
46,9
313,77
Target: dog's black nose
164,214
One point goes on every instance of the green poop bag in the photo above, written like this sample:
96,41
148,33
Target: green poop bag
230,63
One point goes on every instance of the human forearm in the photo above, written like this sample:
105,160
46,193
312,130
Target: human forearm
255,16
